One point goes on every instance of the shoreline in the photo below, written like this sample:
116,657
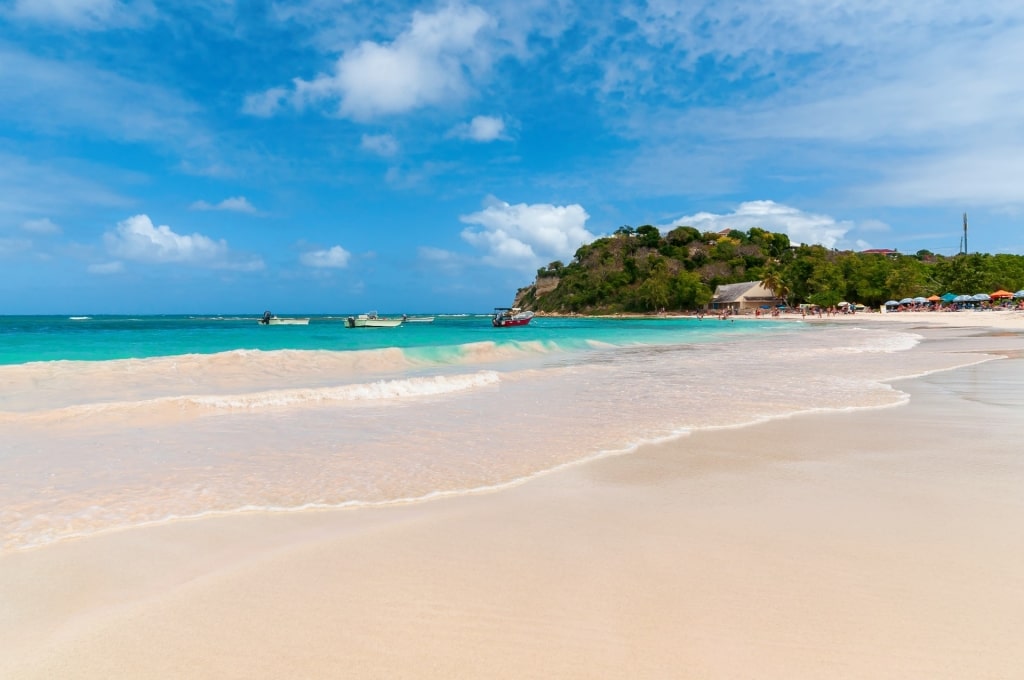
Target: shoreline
776,546
991,318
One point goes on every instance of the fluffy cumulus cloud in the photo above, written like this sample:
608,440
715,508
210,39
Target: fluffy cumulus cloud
234,204
481,129
524,236
334,257
428,64
137,239
382,145
800,226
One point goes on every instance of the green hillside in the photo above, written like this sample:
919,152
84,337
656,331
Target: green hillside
640,270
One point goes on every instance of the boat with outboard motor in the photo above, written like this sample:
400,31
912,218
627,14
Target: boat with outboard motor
510,316
269,319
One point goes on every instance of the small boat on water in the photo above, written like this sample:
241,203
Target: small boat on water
417,319
510,316
371,320
269,319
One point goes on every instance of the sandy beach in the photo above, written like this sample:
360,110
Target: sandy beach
882,543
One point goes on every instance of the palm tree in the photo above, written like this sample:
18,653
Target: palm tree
773,281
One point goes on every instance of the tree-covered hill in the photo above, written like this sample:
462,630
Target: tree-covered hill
642,270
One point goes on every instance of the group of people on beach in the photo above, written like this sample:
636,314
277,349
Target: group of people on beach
1006,305
770,312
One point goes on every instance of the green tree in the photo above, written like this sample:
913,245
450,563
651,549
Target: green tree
681,236
826,284
865,277
772,279
648,236
653,294
689,292
907,278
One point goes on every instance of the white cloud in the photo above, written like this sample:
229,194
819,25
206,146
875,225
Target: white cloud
41,226
526,236
85,14
266,104
430,63
138,240
481,129
382,145
335,257
800,226
922,101
234,204
771,31
104,268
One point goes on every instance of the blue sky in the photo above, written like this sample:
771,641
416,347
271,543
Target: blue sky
340,156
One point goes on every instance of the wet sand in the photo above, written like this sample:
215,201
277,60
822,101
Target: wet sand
870,544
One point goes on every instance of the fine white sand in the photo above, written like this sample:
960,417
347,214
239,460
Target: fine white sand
870,544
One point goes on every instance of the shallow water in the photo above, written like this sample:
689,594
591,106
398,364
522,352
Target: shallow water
389,414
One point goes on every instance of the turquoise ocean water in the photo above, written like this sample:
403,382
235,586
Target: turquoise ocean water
108,423
98,338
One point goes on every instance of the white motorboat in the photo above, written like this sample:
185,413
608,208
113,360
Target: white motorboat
371,320
269,319
417,319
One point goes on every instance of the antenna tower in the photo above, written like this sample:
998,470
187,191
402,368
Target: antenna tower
965,233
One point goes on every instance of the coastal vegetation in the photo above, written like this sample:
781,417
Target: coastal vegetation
643,270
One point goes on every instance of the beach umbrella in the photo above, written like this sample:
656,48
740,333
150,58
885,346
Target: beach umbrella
844,303
892,303
907,301
920,300
981,297
963,298
1019,294
949,297
934,298
1000,294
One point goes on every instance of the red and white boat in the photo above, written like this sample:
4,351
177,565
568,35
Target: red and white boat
510,316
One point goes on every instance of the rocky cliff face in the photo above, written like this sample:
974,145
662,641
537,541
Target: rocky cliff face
525,297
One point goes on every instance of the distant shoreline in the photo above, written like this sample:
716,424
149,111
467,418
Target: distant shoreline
1002,318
